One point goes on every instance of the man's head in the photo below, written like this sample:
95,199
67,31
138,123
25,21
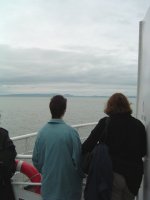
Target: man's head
57,106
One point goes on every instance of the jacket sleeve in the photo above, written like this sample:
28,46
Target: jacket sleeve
7,147
143,142
94,137
10,145
76,153
35,157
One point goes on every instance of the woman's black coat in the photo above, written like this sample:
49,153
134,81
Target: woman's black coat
126,139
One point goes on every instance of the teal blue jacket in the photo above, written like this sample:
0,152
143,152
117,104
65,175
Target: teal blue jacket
57,156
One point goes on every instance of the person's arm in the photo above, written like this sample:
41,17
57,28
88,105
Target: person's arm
7,146
144,141
8,154
76,153
94,137
35,156
10,145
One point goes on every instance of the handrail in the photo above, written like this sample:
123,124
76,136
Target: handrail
23,156
35,133
26,137
24,183
82,125
20,137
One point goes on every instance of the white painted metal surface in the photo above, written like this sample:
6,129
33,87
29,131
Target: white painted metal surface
143,98
22,194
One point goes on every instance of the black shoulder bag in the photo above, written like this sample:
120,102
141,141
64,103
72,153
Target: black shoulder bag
87,157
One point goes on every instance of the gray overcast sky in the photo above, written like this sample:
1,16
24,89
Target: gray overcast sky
81,47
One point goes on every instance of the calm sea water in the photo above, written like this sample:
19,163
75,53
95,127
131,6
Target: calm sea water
23,115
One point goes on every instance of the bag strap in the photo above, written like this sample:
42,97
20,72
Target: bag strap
105,131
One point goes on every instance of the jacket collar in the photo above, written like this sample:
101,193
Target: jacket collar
56,121
121,115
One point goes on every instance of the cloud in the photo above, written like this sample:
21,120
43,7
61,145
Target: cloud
63,67
73,46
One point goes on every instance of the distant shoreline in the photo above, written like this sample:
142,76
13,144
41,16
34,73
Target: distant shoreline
50,95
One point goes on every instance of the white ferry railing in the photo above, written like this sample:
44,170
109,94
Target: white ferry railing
77,126
25,183
26,146
22,156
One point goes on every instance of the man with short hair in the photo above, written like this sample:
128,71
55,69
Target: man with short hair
57,154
